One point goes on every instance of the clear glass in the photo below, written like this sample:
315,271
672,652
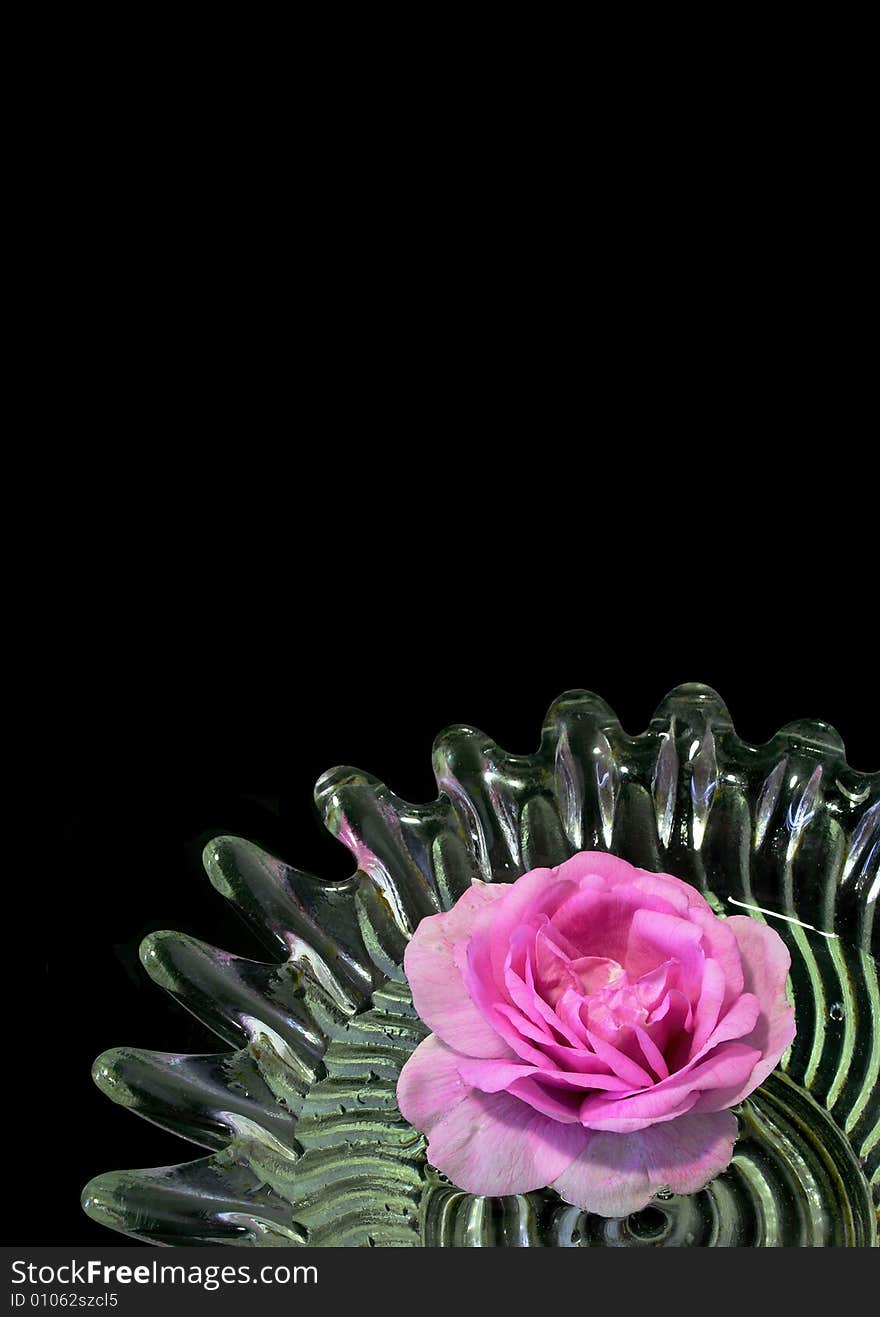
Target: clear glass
307,1145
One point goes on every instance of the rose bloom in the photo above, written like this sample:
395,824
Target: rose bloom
592,1026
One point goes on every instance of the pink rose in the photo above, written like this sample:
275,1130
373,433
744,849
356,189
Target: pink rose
592,1026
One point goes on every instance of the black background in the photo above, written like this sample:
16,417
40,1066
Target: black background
224,723
179,691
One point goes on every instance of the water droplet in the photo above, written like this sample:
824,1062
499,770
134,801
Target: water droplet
836,1011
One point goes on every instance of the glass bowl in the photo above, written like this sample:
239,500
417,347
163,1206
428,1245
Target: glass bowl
307,1146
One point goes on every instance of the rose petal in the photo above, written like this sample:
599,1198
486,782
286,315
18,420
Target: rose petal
558,1103
512,1026
439,994
552,969
598,922
653,985
617,1174
596,972
525,1000
600,1113
620,1064
671,1018
708,1007
523,994
720,944
563,1018
737,1024
766,962
537,892
576,1061
568,1008
429,1085
679,894
615,872
492,1143
655,937
526,1029
652,1054
729,1065
491,999
493,1076
485,1143
605,870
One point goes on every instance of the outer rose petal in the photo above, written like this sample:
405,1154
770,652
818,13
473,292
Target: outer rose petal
766,962
439,994
618,1174
429,1085
495,1144
486,1143
721,945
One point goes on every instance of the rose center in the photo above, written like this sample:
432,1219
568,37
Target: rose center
612,1000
